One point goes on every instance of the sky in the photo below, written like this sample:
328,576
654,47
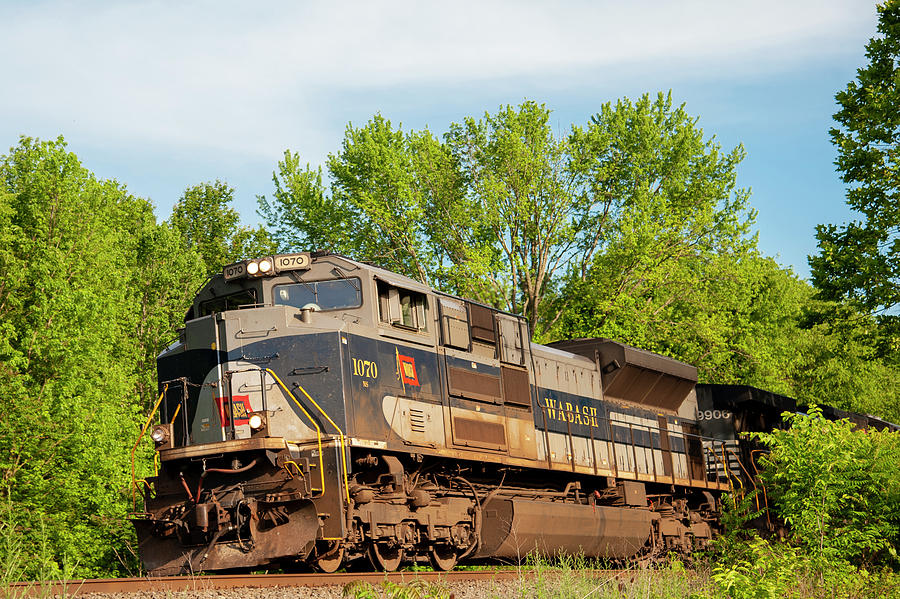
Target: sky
164,95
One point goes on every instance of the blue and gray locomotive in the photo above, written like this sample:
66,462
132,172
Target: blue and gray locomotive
316,410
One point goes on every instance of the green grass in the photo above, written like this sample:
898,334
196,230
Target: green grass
573,577
16,561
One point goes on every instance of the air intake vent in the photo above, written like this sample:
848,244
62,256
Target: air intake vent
416,420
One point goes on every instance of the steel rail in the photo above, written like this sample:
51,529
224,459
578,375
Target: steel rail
73,588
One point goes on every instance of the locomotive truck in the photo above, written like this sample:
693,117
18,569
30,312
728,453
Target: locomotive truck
316,410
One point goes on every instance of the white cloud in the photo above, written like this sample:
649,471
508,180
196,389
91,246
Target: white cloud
236,76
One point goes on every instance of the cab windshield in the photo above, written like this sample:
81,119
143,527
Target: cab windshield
335,294
246,297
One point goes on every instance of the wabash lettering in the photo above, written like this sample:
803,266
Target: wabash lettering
564,411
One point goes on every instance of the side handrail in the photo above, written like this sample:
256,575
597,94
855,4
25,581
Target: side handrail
340,433
311,419
711,451
761,483
136,443
750,478
730,477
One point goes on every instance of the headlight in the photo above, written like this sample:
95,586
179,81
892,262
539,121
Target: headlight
253,268
256,422
160,435
265,265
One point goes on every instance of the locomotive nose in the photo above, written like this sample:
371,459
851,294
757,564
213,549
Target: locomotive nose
259,535
237,509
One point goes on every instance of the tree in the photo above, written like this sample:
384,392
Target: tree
66,353
734,316
860,261
204,218
669,199
165,275
502,209
382,184
91,289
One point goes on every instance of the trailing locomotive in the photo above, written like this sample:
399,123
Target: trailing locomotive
315,410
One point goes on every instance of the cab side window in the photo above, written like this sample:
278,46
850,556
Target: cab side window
402,308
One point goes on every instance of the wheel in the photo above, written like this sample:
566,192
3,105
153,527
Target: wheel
443,557
331,561
386,559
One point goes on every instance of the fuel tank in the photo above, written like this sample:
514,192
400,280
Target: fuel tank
512,528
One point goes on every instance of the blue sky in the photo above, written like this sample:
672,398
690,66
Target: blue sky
163,95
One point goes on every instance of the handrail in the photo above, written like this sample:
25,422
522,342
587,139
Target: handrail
311,419
340,432
136,443
749,478
761,482
315,424
737,478
711,451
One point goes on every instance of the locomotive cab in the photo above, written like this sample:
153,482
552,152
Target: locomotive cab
252,419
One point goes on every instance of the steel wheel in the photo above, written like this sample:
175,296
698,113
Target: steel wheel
443,557
386,559
331,561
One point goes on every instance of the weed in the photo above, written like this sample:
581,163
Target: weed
417,589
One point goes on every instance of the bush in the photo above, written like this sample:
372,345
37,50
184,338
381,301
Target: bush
770,570
838,488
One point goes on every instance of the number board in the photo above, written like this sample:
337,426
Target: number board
285,262
233,271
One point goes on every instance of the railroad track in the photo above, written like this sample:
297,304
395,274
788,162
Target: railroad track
73,588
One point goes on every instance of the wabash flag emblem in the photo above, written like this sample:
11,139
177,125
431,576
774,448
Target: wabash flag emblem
240,409
407,366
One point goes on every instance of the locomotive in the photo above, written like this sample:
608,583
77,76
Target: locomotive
316,410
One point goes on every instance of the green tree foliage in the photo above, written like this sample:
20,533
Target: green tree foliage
376,207
836,362
860,261
734,316
165,276
838,488
66,363
90,291
503,208
207,223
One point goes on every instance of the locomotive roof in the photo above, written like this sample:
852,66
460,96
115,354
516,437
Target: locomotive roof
388,276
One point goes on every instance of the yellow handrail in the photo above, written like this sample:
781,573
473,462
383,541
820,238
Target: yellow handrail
295,465
762,484
311,419
136,443
340,432
728,469
749,478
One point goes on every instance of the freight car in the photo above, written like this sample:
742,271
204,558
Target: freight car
316,410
